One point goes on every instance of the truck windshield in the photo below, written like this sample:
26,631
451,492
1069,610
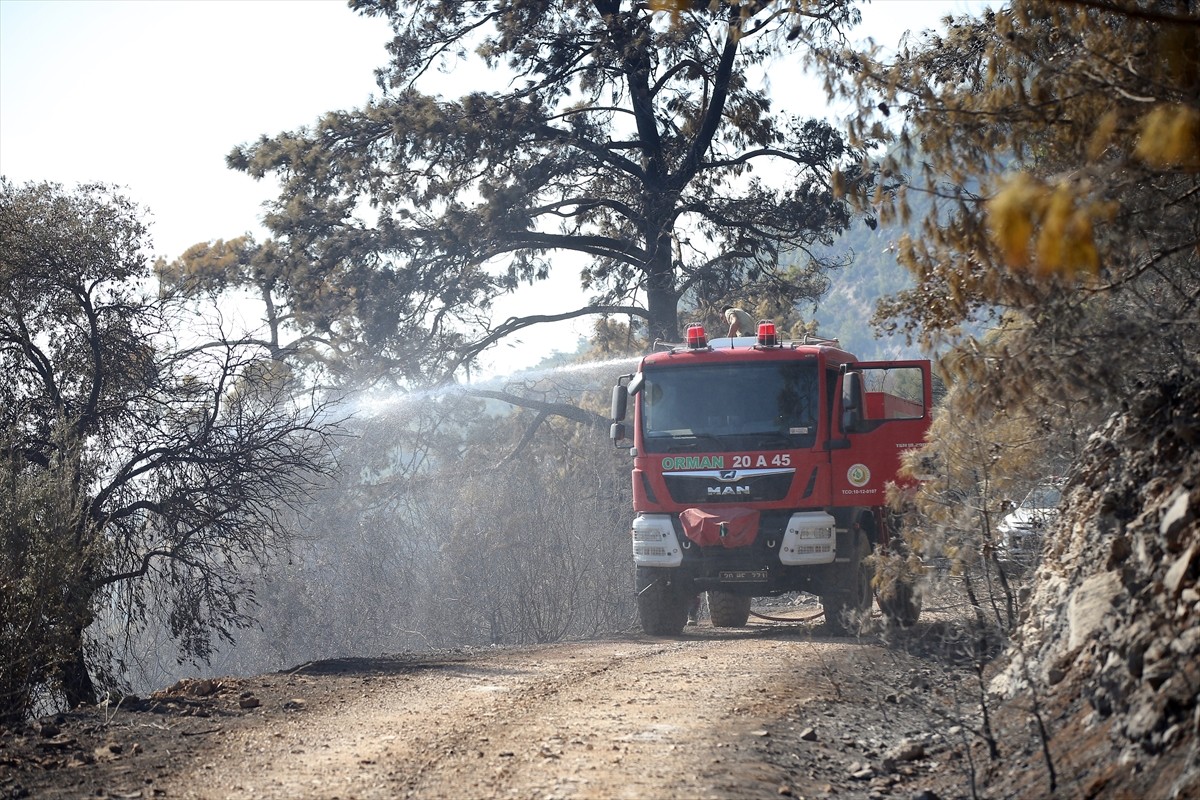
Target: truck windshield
771,406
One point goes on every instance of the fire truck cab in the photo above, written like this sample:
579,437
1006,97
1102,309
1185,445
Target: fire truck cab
760,467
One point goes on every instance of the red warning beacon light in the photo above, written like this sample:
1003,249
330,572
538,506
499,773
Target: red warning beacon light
696,339
766,334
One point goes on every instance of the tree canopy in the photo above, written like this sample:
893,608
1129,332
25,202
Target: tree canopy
641,150
1064,183
137,469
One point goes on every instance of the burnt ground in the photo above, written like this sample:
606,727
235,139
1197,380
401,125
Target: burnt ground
772,710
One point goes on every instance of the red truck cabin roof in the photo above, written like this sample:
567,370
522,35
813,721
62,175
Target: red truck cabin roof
742,348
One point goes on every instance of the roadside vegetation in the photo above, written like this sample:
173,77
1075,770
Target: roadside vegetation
168,486
141,471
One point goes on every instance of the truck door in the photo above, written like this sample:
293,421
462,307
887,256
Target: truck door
884,410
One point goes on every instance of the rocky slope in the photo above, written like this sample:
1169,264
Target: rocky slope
1106,668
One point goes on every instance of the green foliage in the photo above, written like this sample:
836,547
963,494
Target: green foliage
139,469
39,510
637,145
611,339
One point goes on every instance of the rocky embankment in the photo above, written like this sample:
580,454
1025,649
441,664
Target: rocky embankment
1105,671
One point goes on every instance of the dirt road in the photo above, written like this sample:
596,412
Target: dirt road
772,710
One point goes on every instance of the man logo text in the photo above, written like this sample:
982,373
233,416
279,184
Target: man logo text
728,491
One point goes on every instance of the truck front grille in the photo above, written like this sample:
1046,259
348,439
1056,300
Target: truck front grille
710,489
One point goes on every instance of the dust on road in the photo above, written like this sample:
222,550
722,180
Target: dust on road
768,711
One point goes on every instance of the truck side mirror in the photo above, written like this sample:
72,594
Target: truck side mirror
852,402
620,402
617,432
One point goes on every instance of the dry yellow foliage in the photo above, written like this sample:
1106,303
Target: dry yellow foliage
1012,215
1057,220
1170,137
1065,242
672,7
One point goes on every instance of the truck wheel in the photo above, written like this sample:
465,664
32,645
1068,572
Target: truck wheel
901,606
662,601
728,610
853,596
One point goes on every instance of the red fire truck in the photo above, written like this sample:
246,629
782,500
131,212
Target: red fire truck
760,468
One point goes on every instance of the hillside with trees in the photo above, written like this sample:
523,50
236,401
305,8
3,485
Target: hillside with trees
846,310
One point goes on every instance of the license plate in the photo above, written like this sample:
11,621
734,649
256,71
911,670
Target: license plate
743,576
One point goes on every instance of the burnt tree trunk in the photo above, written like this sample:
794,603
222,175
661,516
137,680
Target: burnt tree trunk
77,686
662,297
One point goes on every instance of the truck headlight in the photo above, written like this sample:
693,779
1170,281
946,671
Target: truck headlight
811,538
654,541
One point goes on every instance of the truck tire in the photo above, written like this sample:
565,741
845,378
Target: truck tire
853,595
728,610
662,601
901,606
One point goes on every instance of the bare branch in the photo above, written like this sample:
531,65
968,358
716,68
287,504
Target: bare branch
514,324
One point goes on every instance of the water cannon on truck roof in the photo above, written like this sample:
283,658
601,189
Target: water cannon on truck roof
760,467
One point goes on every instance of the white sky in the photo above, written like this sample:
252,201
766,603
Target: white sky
151,96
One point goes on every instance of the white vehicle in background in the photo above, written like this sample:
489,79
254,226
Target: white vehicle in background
1023,530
